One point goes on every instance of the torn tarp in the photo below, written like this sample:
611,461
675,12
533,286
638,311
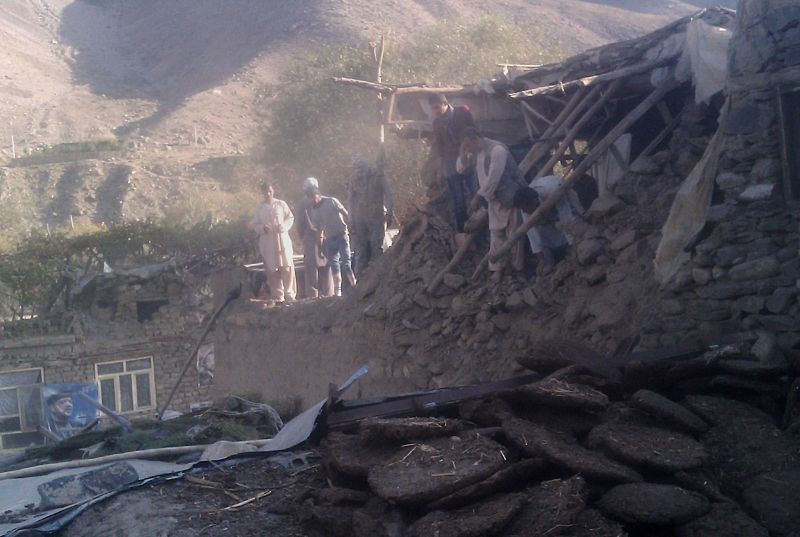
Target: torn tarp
50,502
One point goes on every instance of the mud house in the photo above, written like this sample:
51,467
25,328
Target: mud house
128,331
693,237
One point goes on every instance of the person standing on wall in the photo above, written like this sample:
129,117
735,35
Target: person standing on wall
317,273
371,207
329,220
272,222
498,180
448,131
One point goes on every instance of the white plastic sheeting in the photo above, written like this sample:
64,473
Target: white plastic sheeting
687,217
705,58
703,50
608,170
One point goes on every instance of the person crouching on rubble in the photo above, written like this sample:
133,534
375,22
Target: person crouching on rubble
329,218
272,223
498,181
548,243
317,273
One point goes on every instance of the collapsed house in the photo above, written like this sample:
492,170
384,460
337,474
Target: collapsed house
122,342
692,238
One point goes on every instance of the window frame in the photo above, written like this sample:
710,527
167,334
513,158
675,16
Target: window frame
134,383
20,405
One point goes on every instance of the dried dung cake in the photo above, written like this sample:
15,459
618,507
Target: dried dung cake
560,394
554,506
724,519
648,447
477,520
649,503
668,411
423,472
349,455
377,430
504,479
538,441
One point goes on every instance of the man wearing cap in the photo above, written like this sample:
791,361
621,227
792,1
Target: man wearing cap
317,273
371,208
329,219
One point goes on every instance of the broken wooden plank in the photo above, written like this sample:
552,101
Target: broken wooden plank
594,79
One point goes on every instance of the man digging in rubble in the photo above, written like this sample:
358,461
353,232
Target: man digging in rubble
272,223
317,273
448,128
329,220
498,181
369,200
548,243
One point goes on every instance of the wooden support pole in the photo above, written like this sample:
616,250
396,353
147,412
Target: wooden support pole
666,115
568,114
533,131
533,111
233,295
364,84
657,140
460,253
595,154
428,90
573,132
379,80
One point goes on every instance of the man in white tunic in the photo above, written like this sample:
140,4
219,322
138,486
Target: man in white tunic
545,238
272,223
498,181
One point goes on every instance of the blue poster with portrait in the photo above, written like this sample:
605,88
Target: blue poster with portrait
68,409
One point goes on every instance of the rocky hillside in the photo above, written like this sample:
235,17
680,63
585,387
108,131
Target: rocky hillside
181,85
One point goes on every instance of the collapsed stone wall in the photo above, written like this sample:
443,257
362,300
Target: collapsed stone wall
741,278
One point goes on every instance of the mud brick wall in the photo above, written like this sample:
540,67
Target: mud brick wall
169,335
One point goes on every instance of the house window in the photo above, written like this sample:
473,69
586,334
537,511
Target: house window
127,385
20,408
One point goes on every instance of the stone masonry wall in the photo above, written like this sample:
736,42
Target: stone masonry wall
745,274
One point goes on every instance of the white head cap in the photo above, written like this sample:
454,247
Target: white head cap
310,185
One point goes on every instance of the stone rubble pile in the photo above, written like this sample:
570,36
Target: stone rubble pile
663,447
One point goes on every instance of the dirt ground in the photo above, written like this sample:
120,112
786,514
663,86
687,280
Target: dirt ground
188,507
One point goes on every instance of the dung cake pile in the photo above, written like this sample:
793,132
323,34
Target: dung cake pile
688,447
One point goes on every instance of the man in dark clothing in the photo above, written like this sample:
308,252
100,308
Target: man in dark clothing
371,208
448,129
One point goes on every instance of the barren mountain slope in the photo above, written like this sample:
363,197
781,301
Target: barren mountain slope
170,73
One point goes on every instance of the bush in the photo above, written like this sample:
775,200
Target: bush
32,270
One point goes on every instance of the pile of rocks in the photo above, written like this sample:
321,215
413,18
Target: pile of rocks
660,447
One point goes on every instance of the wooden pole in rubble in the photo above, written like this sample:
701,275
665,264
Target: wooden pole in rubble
651,100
